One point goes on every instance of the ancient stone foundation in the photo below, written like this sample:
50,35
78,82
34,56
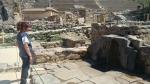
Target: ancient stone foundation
128,48
42,55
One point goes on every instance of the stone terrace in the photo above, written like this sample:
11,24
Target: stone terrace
79,72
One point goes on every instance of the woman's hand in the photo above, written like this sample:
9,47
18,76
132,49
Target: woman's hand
30,58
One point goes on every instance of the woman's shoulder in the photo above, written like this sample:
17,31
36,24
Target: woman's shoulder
22,34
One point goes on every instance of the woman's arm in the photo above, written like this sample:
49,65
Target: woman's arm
26,47
16,43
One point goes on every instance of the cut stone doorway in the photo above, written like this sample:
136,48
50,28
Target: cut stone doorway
110,61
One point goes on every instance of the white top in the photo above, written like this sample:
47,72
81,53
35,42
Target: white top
25,40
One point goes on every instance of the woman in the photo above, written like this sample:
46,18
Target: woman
25,48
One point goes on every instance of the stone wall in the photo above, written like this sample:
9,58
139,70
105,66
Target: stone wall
73,42
140,31
128,53
41,55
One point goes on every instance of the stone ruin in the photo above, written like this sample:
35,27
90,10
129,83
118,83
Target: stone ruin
56,54
72,45
125,47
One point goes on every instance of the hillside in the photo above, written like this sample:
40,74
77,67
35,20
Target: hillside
64,5
118,5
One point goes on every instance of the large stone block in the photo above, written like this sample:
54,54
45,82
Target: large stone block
145,54
137,43
132,55
147,69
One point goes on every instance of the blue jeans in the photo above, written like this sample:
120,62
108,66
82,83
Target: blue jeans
25,68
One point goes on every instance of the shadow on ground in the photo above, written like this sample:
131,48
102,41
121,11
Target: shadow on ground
104,67
8,81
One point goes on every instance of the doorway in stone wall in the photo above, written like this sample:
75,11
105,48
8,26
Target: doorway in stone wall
113,57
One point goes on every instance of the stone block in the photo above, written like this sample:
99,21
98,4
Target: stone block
47,78
144,52
72,42
114,73
11,67
69,74
73,57
137,43
83,78
131,78
143,82
86,82
147,69
71,66
140,66
55,71
3,67
72,81
91,72
82,63
50,67
123,58
39,66
122,81
41,60
132,55
104,79
39,72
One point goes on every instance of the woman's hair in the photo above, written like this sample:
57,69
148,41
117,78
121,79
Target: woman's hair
21,25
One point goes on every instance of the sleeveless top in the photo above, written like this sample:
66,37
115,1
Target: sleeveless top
22,51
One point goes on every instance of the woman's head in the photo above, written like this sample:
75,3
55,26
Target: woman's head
23,26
